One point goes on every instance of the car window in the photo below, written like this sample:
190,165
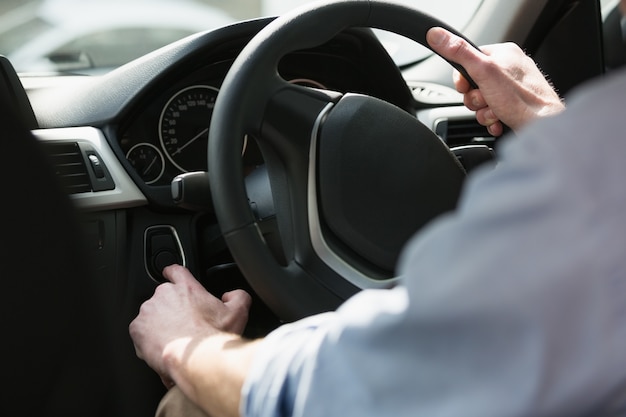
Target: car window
92,35
128,44
456,13
614,35
12,36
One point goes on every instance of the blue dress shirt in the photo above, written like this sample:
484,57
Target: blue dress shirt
514,305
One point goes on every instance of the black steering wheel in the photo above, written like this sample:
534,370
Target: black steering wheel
352,176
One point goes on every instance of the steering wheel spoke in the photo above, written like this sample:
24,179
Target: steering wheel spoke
289,119
289,140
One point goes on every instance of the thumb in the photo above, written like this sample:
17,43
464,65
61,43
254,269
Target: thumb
238,303
456,50
237,299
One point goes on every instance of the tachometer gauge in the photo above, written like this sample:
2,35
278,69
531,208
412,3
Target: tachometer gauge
184,127
147,160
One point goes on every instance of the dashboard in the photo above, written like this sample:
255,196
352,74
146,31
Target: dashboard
169,134
153,114
134,130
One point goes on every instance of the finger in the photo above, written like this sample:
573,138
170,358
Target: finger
137,350
486,117
176,273
460,82
496,129
474,100
453,48
167,381
134,335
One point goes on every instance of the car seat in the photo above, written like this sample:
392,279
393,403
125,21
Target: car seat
57,355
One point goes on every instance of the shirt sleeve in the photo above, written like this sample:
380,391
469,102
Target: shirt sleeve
513,305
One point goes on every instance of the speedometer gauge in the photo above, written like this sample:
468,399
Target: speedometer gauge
184,127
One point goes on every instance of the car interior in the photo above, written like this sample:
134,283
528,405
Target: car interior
283,156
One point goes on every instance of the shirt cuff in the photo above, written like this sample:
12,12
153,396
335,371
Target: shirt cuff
277,368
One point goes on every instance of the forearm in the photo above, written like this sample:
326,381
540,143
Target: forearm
211,370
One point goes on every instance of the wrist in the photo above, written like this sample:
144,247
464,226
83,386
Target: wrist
539,111
210,370
173,356
177,353
552,109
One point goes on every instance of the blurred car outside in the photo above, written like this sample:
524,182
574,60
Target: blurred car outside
88,36
94,36
456,13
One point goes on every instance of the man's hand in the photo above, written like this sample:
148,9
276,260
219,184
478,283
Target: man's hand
512,90
181,313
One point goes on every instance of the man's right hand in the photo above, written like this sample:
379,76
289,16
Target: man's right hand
182,313
512,90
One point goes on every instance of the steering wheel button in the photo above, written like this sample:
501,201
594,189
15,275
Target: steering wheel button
162,248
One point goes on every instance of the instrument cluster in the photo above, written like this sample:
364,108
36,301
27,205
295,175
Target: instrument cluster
178,139
168,133
170,136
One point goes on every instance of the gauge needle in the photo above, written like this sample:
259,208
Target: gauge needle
145,171
192,140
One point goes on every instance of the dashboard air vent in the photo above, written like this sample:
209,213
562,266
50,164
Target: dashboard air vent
460,132
429,93
69,165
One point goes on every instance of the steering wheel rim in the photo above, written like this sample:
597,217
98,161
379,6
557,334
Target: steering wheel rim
252,101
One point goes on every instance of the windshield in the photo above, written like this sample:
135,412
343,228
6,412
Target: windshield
94,36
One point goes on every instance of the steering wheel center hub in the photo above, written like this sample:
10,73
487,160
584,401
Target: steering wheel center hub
382,176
